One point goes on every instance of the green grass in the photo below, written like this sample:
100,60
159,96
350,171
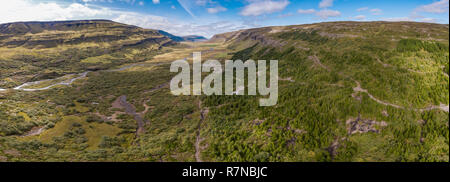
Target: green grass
104,59
310,116
93,131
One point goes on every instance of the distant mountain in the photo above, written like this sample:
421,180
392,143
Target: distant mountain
171,36
194,38
57,33
189,38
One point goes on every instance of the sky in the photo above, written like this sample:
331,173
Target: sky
210,17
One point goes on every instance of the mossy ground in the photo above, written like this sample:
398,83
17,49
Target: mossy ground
309,123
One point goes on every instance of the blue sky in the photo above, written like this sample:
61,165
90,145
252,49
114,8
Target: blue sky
209,17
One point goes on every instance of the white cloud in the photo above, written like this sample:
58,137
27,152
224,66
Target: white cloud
24,10
127,1
87,1
376,11
325,3
285,15
178,27
259,7
398,19
216,9
359,17
202,2
362,9
110,1
187,6
428,20
417,19
436,7
155,1
141,3
306,11
325,13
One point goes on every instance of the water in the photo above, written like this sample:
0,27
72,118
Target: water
65,82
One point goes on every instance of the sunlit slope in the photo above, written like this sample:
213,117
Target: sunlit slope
349,91
39,50
406,63
84,121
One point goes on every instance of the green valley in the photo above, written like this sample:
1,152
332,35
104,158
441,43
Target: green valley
348,91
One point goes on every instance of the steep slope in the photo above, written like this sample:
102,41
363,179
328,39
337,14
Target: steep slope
38,50
349,91
52,34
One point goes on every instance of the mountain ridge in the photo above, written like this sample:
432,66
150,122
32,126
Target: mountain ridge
27,48
187,38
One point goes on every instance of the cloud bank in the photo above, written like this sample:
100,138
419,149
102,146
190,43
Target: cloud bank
259,7
23,10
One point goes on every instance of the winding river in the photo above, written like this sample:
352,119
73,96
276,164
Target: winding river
66,82
131,110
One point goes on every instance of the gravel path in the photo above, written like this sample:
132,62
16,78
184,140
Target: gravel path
198,140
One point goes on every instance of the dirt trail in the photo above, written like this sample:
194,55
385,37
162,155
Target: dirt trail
157,88
441,107
198,140
358,88
384,64
112,118
34,131
286,79
146,108
317,62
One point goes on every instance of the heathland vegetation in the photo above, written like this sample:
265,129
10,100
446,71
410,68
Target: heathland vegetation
348,91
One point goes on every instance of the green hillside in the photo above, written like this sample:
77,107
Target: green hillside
348,91
31,51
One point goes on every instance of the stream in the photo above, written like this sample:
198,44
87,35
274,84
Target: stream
65,82
131,110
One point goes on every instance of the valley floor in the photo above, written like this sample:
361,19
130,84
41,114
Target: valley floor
128,114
